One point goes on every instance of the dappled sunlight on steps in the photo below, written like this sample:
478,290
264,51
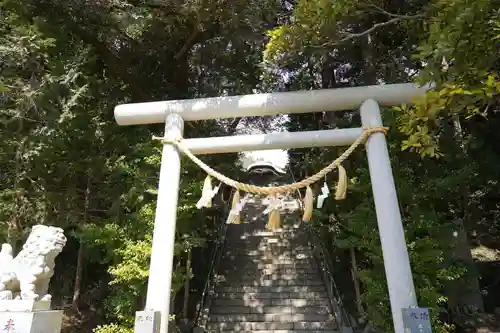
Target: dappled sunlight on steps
268,280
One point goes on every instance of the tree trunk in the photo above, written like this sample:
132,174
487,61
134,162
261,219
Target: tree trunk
464,294
14,230
81,253
186,284
78,278
357,289
370,72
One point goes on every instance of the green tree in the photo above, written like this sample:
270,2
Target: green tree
326,44
65,161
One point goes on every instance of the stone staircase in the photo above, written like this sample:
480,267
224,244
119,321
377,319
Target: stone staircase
268,281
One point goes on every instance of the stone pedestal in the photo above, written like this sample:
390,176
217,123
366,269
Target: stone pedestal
20,316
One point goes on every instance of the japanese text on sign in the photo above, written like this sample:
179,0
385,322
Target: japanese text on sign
417,320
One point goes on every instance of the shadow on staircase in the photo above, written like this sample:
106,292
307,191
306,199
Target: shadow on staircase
268,281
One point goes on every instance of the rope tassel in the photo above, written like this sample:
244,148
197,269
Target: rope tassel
207,191
235,203
274,221
308,205
341,192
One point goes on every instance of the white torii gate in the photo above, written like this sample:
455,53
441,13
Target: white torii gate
174,113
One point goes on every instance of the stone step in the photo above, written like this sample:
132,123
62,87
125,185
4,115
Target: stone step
260,317
245,266
300,326
270,310
270,256
278,289
265,274
296,302
251,251
272,295
270,274
255,264
268,283
318,287
249,267
271,283
263,243
256,238
284,251
232,275
271,259
245,229
267,259
299,279
252,268
245,237
246,232
259,246
276,331
259,229
267,243
255,242
270,271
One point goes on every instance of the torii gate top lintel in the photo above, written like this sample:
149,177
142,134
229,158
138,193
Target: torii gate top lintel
268,104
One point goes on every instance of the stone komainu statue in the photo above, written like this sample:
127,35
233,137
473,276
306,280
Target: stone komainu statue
27,276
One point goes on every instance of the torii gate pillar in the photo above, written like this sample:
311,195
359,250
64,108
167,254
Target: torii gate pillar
392,237
160,268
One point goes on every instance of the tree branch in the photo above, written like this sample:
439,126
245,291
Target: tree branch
370,30
196,30
189,42
233,125
383,11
